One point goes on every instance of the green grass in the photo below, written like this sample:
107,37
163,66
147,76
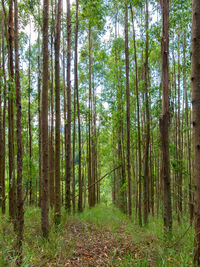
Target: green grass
149,240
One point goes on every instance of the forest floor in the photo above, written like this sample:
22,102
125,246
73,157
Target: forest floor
101,236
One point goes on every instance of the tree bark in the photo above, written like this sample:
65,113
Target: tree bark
128,110
195,82
57,109
39,112
164,119
3,119
12,193
20,209
51,109
73,159
138,126
44,125
68,144
147,130
89,121
29,123
80,199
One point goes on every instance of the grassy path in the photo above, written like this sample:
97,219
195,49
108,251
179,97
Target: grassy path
102,236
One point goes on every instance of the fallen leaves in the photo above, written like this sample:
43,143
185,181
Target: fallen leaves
94,247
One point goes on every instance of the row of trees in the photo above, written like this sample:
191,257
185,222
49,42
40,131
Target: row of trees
90,96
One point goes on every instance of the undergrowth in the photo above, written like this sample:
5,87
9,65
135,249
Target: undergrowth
149,241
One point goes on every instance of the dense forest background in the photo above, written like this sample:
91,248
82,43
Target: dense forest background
96,107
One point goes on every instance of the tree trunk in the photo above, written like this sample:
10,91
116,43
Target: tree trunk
179,181
191,206
195,78
57,109
128,110
3,122
1,119
73,160
29,123
147,137
80,199
20,209
68,144
89,122
39,113
12,192
138,126
51,128
164,119
44,125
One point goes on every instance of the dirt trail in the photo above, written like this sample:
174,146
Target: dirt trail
95,247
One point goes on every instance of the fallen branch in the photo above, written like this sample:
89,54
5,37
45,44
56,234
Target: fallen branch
99,179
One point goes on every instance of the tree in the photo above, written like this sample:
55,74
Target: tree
138,120
12,191
80,198
3,123
39,112
128,129
20,200
68,128
57,108
164,119
44,125
195,76
147,130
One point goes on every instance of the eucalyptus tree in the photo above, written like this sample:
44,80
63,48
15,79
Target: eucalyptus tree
164,119
68,126
147,130
20,199
195,76
44,124
128,110
57,109
80,198
12,190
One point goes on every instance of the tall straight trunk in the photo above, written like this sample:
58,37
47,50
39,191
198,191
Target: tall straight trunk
195,77
44,125
89,121
164,119
73,160
57,109
3,121
179,181
93,160
12,194
29,123
191,207
138,126
152,179
147,130
128,110
63,142
65,112
51,135
175,136
39,113
68,144
113,183
20,209
95,147
80,193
